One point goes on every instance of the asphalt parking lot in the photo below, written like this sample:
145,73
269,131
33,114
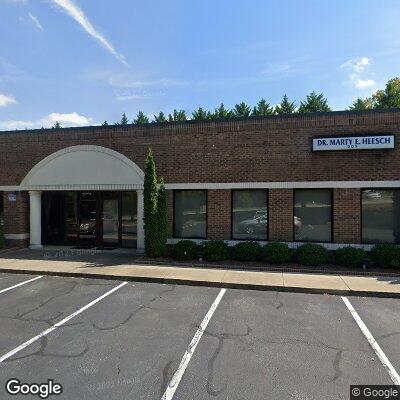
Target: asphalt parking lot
104,339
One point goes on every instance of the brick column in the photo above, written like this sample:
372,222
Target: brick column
16,218
219,214
346,216
170,212
281,215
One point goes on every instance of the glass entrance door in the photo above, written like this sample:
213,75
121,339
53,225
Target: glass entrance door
110,219
88,221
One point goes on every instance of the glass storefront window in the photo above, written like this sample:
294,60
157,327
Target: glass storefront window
250,214
380,215
313,215
190,214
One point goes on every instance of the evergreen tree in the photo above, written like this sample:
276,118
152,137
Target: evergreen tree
315,102
162,219
124,120
241,110
285,106
141,119
388,97
105,123
200,114
177,115
57,125
361,104
160,117
221,112
263,108
150,195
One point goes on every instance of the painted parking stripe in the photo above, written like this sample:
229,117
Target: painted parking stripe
20,284
174,382
374,344
58,324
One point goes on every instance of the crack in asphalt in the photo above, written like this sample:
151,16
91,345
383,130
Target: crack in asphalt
221,337
48,300
42,352
146,305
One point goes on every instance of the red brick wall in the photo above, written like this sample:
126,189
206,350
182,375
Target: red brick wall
170,208
219,214
281,215
259,150
16,217
346,216
270,149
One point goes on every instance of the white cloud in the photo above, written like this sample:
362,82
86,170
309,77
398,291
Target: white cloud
35,21
79,16
361,83
356,67
66,120
131,81
357,64
6,100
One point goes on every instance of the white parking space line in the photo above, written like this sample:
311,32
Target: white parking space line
374,344
20,284
58,324
174,382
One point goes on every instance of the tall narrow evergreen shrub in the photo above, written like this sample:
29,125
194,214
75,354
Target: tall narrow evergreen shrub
150,206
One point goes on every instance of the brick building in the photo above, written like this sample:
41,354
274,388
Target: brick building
283,178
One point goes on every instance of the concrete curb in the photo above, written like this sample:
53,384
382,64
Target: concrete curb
172,281
267,268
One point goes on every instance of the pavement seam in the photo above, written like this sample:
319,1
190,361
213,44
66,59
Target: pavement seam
348,287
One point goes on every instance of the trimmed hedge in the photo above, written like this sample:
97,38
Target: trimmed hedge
386,255
1,238
349,256
216,250
248,251
277,253
311,254
184,250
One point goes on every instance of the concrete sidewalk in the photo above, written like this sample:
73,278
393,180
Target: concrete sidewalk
128,267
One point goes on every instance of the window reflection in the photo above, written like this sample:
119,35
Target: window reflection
249,214
190,213
381,216
312,215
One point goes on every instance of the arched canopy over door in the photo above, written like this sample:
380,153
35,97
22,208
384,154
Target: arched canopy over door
84,168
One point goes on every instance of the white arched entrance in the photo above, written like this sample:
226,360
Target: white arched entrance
83,168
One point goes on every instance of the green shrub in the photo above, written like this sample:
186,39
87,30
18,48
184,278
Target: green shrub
1,238
349,256
311,254
248,251
184,250
277,253
386,255
216,250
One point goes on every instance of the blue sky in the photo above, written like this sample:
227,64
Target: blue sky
81,62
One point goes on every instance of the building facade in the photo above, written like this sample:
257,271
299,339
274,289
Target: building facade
331,178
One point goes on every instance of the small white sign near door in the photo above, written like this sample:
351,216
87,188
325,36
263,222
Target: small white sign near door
353,143
12,197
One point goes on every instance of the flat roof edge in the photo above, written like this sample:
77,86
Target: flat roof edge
209,121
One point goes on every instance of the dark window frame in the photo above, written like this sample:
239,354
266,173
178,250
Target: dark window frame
332,215
174,236
268,214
